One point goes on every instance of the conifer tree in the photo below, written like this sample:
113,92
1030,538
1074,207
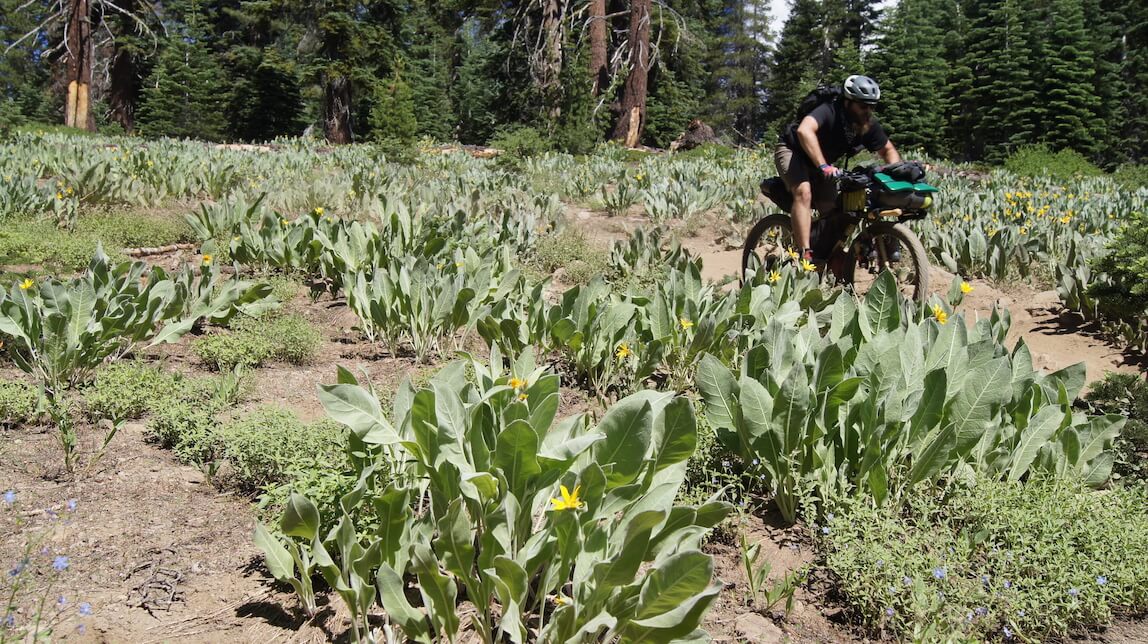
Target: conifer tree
1134,72
740,69
795,69
1068,101
393,113
1105,21
909,64
186,94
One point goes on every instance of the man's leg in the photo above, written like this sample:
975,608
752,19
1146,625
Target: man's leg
802,214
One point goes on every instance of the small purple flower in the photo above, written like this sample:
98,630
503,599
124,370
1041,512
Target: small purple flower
981,611
880,563
10,498
81,629
889,611
985,579
18,568
61,601
907,580
1101,580
939,572
71,505
756,462
891,590
968,617
1007,584
825,530
1073,592
1020,613
85,609
829,516
9,620
1007,633
60,563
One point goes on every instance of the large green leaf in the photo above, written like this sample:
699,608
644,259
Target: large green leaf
719,390
279,561
516,454
628,426
300,518
675,580
358,409
677,434
1040,430
985,388
882,310
392,593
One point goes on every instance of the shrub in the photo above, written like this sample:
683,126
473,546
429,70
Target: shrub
1124,295
1039,161
1131,176
127,390
254,341
184,421
271,445
991,561
18,403
1125,394
572,252
518,142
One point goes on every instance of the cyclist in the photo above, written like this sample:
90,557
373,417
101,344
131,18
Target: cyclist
809,148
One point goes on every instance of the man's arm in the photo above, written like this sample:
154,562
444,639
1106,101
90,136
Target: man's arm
807,137
889,153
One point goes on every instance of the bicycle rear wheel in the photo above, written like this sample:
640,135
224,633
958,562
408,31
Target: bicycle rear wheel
766,245
893,247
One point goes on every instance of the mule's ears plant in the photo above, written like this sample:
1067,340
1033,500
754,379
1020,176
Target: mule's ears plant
552,528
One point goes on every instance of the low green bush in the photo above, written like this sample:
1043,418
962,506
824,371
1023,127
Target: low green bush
271,446
57,251
1039,161
127,390
255,341
18,403
991,561
185,420
1125,394
1131,176
572,252
118,229
518,142
1124,295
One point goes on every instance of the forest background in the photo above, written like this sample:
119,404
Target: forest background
969,80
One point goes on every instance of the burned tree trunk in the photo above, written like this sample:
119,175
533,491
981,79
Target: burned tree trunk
632,118
77,110
599,73
337,108
124,86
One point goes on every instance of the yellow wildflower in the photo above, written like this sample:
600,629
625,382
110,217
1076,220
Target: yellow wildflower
59,195
1023,230
459,264
639,176
206,259
517,383
1065,219
569,500
808,265
774,276
440,265
966,288
685,323
623,351
319,210
792,253
522,397
236,238
939,314
27,283
559,600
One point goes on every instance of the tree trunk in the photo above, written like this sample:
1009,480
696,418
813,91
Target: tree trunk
599,73
77,112
337,108
632,118
124,88
550,66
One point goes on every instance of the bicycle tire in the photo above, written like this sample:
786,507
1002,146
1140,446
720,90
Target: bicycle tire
911,272
776,221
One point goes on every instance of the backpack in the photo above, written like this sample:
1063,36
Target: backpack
818,96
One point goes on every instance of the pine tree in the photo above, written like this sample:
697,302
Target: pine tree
1105,21
795,69
740,68
393,114
186,93
909,64
1069,104
1134,72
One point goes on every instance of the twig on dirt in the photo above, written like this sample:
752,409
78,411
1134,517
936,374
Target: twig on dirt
232,606
146,251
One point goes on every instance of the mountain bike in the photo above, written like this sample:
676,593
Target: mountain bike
865,233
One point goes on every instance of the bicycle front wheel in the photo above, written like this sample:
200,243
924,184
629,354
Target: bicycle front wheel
893,247
766,245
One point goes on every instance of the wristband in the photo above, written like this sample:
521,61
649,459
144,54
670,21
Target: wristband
823,166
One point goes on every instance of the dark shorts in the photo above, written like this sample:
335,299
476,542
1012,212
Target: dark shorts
795,170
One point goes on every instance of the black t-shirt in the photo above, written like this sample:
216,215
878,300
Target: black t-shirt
836,135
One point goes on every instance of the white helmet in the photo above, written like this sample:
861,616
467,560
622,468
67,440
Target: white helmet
862,89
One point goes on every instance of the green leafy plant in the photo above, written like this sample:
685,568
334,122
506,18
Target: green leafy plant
270,445
18,403
990,560
757,571
127,390
1126,395
543,525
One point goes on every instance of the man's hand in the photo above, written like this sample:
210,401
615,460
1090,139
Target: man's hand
829,171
